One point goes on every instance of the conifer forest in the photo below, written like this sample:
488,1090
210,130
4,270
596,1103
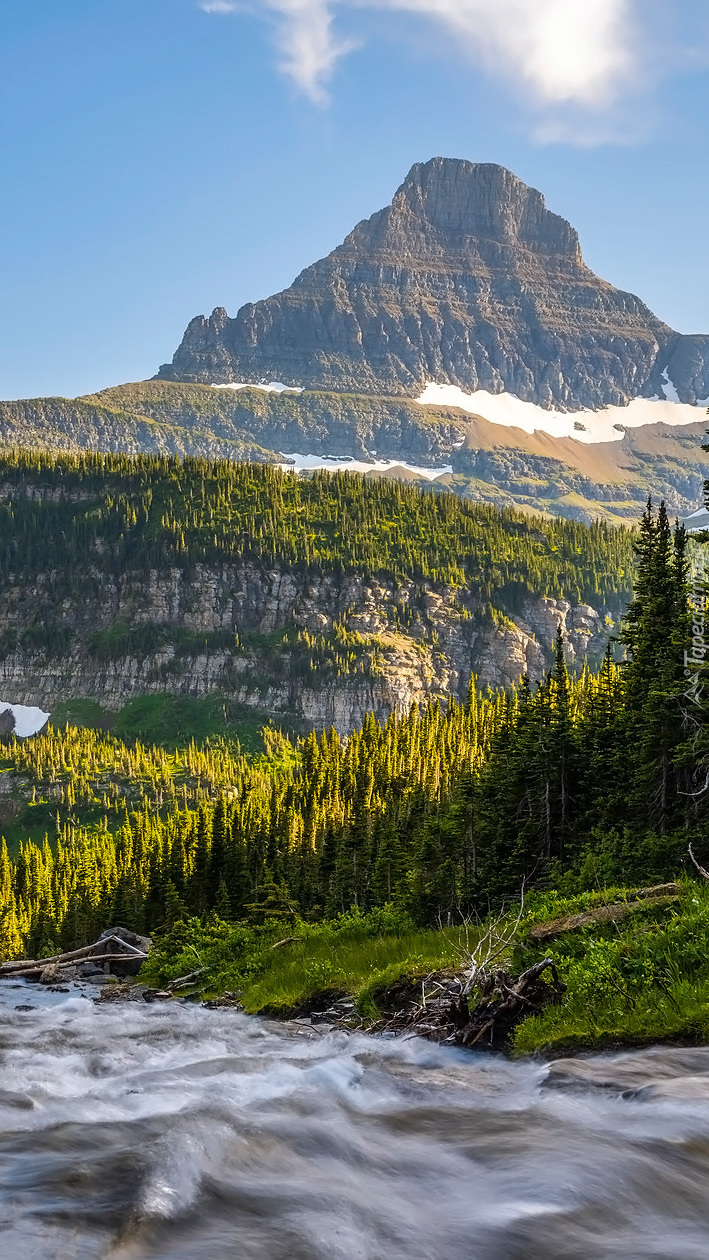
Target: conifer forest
575,782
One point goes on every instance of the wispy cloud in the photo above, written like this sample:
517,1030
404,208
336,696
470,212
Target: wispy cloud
564,50
578,52
218,6
307,43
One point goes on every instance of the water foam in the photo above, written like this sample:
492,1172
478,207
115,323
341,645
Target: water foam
163,1133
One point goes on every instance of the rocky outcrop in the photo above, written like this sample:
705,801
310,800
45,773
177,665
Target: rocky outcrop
467,279
325,650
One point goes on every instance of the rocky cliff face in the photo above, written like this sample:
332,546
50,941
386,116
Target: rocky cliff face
466,279
323,650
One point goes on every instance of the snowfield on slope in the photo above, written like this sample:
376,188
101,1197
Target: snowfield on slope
607,425
273,387
343,463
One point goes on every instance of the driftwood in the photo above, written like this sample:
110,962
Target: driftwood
86,953
439,1008
33,970
73,956
185,982
109,948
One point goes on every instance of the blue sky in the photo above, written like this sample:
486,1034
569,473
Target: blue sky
161,157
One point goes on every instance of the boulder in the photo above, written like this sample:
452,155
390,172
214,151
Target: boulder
143,943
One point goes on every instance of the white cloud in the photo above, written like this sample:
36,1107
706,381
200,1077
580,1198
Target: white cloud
562,52
307,43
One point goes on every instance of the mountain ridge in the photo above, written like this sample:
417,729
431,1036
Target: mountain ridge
500,464
467,277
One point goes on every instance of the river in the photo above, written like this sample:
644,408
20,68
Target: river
133,1132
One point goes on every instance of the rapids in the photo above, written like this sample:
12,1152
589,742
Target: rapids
137,1131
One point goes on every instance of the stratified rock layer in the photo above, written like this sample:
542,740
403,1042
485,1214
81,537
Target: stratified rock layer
400,665
467,279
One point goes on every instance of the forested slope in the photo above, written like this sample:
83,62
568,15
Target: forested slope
440,812
324,597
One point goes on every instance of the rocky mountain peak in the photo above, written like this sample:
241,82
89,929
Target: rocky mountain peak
481,200
466,279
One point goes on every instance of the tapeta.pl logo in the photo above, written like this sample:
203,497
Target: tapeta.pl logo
695,660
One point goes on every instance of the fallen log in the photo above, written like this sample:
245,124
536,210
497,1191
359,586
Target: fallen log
661,894
74,955
122,950
34,970
118,940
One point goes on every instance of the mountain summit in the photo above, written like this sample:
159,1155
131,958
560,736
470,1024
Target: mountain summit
465,279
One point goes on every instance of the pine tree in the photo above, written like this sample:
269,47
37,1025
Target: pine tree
655,631
217,853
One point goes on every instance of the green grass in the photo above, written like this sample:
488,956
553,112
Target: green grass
296,973
355,954
645,979
172,721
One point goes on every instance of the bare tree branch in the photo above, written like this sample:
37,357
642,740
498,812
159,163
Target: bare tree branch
704,874
701,791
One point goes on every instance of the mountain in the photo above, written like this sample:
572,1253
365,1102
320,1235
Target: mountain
466,279
457,337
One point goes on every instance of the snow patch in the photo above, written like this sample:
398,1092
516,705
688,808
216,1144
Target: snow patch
697,520
28,719
668,388
270,387
345,463
607,425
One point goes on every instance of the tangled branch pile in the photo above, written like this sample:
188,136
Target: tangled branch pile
439,1007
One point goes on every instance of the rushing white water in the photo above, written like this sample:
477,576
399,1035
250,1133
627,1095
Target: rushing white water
135,1132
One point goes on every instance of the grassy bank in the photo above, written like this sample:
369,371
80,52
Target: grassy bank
642,979
281,967
638,976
